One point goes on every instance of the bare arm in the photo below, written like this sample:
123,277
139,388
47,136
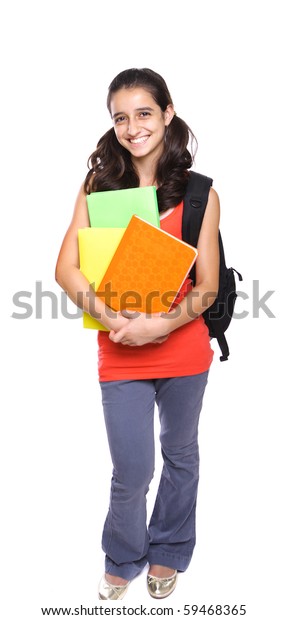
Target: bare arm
142,330
70,278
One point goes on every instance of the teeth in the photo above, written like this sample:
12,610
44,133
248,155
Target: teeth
139,140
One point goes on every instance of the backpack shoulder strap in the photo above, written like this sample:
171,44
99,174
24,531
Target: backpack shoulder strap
194,204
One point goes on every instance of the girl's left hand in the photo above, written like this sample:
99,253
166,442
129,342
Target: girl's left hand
140,330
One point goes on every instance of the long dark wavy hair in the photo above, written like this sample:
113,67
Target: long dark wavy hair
110,165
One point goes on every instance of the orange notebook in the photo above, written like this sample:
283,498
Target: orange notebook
147,269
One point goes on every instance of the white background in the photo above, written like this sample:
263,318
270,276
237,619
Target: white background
224,64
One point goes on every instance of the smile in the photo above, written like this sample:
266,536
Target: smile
141,140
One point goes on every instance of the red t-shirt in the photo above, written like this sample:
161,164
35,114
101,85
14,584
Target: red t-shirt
187,350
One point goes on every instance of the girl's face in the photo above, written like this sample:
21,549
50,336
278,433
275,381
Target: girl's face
139,122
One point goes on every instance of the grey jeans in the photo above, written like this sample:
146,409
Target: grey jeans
129,416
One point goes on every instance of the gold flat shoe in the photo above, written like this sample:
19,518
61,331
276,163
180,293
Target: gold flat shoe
109,592
160,587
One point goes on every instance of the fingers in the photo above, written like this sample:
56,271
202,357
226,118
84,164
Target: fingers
116,336
132,341
160,340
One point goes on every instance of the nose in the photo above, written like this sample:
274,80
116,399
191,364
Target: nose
132,127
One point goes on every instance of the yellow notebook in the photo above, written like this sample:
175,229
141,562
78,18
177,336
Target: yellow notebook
147,269
96,248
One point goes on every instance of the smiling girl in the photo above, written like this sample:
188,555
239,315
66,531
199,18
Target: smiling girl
148,360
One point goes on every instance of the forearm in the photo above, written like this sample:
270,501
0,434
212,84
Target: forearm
194,304
78,289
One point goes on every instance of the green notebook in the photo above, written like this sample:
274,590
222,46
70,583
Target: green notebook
115,208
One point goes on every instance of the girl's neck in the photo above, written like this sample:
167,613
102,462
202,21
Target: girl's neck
146,172
147,181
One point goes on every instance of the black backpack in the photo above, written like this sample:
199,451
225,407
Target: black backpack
218,316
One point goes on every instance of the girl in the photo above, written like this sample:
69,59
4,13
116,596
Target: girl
162,359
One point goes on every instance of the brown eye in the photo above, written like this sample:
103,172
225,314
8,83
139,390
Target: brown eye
119,119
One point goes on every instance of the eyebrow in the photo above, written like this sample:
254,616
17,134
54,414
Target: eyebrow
145,108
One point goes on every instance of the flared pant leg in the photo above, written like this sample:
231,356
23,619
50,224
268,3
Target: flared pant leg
129,417
172,525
